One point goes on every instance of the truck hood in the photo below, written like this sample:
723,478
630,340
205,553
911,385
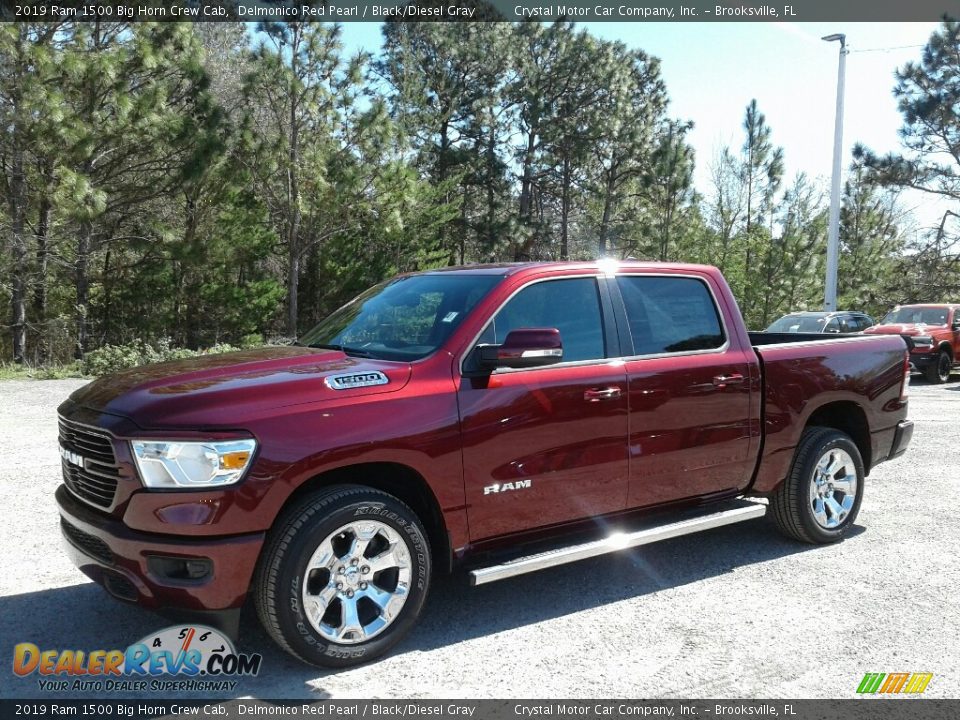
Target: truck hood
220,390
903,329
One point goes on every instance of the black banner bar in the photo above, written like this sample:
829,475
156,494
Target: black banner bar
881,708
479,10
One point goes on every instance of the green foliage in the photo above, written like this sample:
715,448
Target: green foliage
450,107
928,97
768,244
112,358
171,185
16,371
871,246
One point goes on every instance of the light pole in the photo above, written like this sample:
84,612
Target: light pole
833,231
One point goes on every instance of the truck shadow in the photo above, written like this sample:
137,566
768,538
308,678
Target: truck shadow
456,612
84,617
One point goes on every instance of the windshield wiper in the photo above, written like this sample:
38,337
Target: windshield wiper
354,351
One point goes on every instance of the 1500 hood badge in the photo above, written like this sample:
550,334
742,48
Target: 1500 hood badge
356,380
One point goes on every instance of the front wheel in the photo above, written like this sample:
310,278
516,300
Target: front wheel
343,576
939,372
819,501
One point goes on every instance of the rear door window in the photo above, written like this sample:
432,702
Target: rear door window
670,314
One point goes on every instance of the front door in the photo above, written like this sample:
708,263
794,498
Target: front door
546,445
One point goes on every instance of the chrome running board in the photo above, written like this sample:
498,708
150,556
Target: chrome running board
734,512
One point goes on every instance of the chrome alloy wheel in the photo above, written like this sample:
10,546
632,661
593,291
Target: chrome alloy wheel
833,488
356,582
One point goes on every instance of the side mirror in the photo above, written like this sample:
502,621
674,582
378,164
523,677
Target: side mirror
523,348
956,325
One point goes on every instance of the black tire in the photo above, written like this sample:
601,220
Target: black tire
939,372
291,544
791,505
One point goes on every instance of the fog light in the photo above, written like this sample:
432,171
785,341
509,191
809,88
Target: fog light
173,568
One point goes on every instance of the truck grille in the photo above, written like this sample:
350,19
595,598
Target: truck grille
92,546
90,469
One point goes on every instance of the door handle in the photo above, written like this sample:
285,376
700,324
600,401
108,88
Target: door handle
722,381
598,394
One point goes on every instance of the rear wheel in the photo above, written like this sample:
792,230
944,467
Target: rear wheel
939,372
343,577
820,499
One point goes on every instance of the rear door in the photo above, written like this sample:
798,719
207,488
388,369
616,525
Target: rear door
547,445
689,391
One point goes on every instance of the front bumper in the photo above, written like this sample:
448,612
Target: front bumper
921,361
143,568
901,439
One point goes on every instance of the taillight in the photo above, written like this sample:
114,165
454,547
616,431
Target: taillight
905,388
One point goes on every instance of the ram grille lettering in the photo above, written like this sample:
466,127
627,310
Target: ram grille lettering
72,457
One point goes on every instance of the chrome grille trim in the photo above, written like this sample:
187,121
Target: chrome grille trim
95,479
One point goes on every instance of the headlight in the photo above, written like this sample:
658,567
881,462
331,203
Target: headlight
922,342
192,464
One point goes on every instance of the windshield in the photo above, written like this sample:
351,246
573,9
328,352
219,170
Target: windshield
403,319
798,324
916,316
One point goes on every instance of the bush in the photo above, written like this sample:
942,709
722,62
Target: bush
112,358
251,341
12,371
59,372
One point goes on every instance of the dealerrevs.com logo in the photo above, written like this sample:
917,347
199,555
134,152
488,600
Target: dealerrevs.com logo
894,683
203,655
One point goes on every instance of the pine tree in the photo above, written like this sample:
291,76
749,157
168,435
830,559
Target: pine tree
446,96
141,125
633,125
28,111
300,96
871,242
928,95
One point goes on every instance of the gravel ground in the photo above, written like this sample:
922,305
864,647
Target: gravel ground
733,612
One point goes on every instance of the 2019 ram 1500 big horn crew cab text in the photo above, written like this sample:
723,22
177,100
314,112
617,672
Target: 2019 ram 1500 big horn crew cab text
502,418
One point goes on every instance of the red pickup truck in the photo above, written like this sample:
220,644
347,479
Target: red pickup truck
501,418
934,331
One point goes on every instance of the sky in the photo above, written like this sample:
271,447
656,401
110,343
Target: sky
712,70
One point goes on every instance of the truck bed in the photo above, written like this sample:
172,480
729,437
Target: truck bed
772,338
806,374
775,338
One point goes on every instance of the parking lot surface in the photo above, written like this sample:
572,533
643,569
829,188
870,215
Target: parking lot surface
734,612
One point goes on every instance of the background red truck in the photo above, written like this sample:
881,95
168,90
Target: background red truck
935,332
500,418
